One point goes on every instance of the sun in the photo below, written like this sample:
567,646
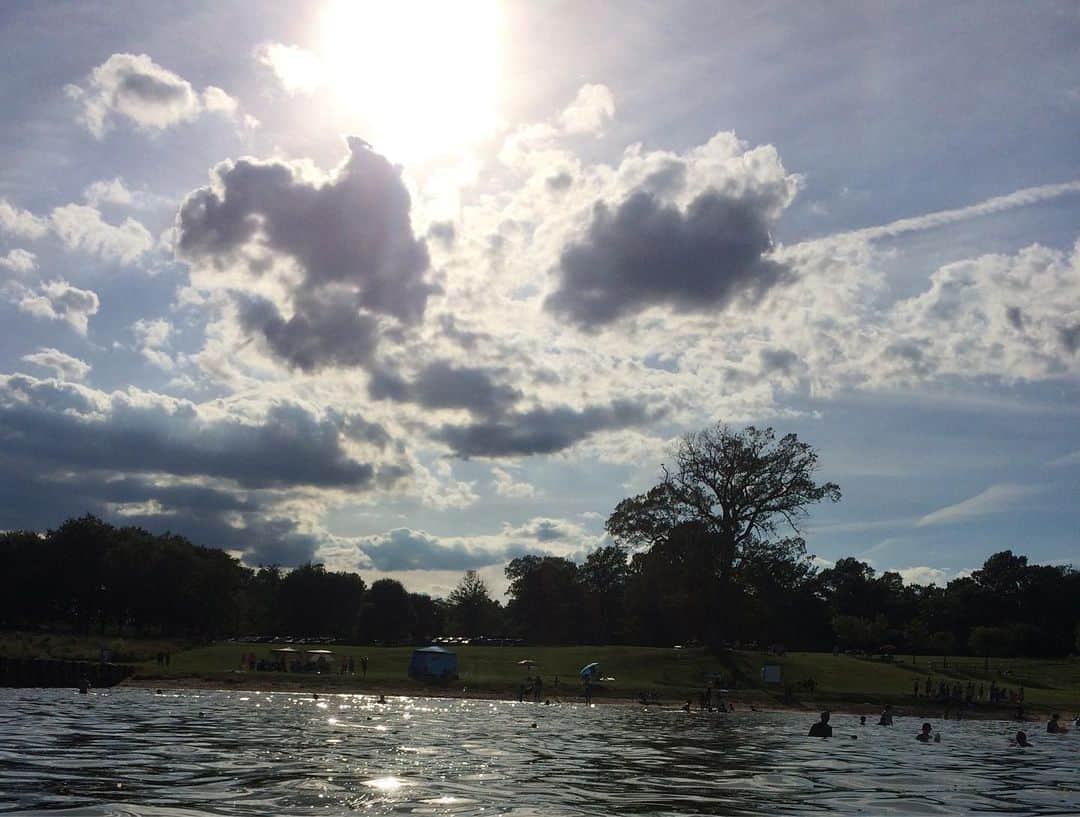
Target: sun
420,74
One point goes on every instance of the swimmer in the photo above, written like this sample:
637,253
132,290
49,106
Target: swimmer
382,699
862,720
886,716
821,729
924,735
1054,727
1021,738
686,706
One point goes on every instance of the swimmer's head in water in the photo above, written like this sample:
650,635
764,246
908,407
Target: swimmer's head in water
926,728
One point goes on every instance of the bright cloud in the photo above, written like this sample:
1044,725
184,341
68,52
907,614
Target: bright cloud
64,365
135,88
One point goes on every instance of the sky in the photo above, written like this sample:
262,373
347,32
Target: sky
416,288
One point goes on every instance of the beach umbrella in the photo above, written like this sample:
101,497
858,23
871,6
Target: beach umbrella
589,672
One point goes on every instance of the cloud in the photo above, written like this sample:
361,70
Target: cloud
314,263
504,484
443,385
645,254
108,191
1067,459
134,87
592,108
924,575
116,192
65,366
216,100
59,300
151,338
996,315
995,499
207,516
405,550
19,261
297,69
133,432
82,227
21,223
541,430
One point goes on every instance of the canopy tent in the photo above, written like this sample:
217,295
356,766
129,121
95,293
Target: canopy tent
285,650
430,663
527,662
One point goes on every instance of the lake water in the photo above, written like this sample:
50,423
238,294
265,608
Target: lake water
185,754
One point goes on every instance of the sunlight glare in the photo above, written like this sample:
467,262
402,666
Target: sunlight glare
420,73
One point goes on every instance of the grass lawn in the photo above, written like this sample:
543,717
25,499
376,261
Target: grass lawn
673,673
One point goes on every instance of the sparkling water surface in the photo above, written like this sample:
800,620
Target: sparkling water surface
130,752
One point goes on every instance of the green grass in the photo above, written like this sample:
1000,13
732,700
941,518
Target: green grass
81,648
673,674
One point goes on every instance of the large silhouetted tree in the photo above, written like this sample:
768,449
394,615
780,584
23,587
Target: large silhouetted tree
473,611
734,492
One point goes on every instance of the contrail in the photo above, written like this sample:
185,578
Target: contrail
1018,198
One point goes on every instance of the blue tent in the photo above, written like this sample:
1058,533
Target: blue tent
433,663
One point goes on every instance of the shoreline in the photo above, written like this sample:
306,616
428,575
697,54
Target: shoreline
742,700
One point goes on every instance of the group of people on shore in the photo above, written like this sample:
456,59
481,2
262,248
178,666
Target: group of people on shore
823,729
956,693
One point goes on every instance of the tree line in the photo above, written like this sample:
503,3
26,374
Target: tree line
711,554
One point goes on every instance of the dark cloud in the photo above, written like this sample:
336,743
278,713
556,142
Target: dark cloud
548,531
351,237
60,426
1070,338
465,338
783,361
911,354
646,253
540,431
204,515
405,549
559,182
1015,316
160,88
322,333
442,385
443,231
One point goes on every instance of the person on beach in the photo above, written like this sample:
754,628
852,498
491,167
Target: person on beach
886,716
1021,738
821,729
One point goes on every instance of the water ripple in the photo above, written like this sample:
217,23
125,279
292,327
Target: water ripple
127,752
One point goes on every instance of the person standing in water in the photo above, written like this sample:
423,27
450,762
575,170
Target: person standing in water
1021,738
924,735
886,716
821,729
1053,726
